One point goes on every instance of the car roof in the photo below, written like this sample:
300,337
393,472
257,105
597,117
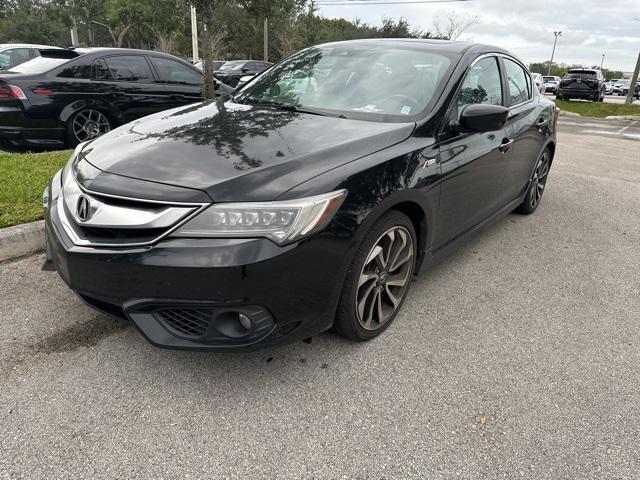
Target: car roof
4,46
87,50
449,46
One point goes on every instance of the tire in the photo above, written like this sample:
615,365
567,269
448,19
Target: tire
234,82
537,185
85,125
359,311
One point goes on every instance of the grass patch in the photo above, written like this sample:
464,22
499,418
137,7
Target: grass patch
595,109
22,180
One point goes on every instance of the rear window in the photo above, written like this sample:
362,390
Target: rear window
76,71
581,74
549,79
38,65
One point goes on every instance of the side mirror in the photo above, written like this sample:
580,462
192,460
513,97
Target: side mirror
483,118
244,70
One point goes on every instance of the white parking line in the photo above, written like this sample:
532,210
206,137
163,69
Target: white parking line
586,124
624,129
634,136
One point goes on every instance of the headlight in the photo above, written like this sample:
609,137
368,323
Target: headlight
283,222
75,156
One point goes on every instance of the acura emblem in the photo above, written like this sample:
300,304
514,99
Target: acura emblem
82,208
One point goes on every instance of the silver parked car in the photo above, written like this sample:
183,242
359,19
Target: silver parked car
551,84
12,54
537,78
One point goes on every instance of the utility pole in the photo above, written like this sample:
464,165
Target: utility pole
194,35
266,40
553,53
74,35
602,62
634,82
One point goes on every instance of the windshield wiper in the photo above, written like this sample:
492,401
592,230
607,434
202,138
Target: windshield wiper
287,107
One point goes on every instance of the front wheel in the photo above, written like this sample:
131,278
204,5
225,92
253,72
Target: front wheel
537,185
378,278
86,125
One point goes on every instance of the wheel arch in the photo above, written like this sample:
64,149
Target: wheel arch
551,145
415,206
70,110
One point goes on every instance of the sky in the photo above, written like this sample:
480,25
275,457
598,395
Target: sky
590,28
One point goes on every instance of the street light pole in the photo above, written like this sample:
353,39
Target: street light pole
194,35
602,62
553,53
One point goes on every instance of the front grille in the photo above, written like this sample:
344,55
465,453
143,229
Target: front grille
190,322
109,221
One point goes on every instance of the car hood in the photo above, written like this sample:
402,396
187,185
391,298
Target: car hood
237,152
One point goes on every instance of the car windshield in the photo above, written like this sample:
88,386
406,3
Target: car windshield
232,65
4,60
38,65
364,81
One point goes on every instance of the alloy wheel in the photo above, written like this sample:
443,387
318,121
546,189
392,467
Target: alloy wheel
89,124
539,180
384,278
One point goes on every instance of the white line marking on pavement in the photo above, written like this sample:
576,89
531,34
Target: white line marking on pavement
584,124
624,129
635,136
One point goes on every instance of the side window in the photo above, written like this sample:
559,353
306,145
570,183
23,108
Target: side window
100,71
76,71
171,71
481,85
518,81
17,56
129,68
250,66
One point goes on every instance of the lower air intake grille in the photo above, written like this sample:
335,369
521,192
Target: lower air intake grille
189,322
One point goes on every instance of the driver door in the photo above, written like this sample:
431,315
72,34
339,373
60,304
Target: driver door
473,164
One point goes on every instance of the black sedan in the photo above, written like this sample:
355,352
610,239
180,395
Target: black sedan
66,97
306,201
231,72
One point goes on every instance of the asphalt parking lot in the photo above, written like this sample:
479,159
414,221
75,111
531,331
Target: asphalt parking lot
516,357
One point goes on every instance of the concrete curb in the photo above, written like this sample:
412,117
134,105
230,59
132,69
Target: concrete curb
623,117
21,240
569,114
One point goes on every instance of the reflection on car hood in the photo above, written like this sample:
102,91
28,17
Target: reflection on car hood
238,152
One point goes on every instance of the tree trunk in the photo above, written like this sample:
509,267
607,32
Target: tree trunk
208,92
122,34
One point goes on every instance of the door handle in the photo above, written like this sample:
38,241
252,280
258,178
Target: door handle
542,122
506,144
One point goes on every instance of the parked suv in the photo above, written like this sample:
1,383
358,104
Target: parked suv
587,83
66,97
551,84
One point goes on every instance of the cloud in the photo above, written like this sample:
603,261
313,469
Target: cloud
589,27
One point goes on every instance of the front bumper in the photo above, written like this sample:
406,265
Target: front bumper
286,293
